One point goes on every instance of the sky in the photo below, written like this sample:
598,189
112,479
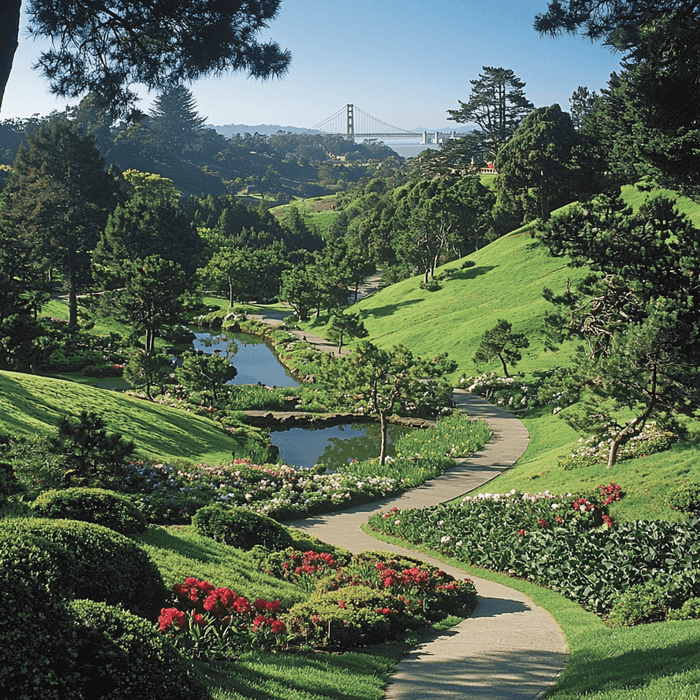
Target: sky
405,62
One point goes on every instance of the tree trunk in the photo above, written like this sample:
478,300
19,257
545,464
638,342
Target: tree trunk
72,304
230,295
383,440
9,41
505,369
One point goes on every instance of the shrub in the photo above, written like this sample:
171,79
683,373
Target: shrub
690,610
645,602
107,508
37,652
109,567
685,497
122,657
240,528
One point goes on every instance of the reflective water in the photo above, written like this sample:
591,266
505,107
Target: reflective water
333,446
254,359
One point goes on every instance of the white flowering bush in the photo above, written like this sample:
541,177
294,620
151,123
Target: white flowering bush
594,449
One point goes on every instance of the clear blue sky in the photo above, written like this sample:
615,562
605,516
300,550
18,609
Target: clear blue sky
403,61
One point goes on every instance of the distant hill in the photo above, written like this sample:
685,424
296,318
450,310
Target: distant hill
229,130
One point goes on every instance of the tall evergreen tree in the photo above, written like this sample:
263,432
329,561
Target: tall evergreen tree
497,105
72,194
174,118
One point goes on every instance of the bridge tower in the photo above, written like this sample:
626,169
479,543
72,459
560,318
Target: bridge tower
350,122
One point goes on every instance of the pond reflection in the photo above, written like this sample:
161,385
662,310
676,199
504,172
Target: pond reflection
333,446
252,357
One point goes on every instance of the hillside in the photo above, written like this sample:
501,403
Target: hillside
30,404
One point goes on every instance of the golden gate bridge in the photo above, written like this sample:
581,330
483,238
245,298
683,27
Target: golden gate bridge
353,123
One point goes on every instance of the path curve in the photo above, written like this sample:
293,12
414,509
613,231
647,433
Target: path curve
509,649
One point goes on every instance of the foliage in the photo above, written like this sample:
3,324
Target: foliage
206,373
552,540
685,497
108,567
497,105
113,510
240,528
375,597
636,311
345,325
113,45
220,623
121,654
500,342
90,456
377,382
144,369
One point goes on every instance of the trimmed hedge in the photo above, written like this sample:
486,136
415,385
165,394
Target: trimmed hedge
108,508
241,528
109,567
123,657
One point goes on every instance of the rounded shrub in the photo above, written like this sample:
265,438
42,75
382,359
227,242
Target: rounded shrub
38,652
113,510
122,657
685,497
241,528
109,567
643,602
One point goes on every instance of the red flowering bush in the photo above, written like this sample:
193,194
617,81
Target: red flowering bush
375,597
304,569
220,622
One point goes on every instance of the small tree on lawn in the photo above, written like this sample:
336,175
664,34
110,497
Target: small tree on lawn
206,373
500,342
380,382
146,369
636,311
343,325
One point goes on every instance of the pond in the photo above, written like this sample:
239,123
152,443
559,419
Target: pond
254,359
333,446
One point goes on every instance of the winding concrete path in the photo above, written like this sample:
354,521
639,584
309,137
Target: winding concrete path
509,649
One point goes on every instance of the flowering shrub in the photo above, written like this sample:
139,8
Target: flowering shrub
594,450
552,540
217,622
302,568
375,597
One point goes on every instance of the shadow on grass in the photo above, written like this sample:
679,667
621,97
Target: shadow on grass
471,273
389,309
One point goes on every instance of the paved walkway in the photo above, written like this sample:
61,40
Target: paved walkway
509,649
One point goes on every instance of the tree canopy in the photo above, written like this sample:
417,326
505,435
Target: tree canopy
105,46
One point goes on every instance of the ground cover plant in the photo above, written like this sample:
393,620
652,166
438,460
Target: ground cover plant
172,493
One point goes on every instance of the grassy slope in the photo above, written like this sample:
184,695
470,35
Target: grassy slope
507,282
318,211
31,404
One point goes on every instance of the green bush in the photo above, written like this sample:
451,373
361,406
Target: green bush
343,619
645,602
113,510
685,497
37,652
109,567
123,657
690,610
241,528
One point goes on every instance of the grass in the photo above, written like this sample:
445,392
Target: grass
318,212
31,404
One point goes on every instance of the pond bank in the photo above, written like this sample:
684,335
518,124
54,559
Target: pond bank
280,420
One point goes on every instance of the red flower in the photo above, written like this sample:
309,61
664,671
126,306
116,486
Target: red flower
278,627
171,618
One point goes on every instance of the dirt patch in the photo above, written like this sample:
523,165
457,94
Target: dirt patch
323,205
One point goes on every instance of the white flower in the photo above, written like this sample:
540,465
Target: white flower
445,539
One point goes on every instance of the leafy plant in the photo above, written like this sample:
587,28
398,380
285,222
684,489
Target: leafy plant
685,497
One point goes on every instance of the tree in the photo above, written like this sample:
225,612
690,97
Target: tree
299,290
540,167
104,46
174,118
582,102
146,369
343,325
379,382
500,342
149,222
90,455
637,313
497,105
653,105
151,298
206,373
72,194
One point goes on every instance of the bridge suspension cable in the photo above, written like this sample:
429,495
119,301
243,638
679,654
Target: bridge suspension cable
353,122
